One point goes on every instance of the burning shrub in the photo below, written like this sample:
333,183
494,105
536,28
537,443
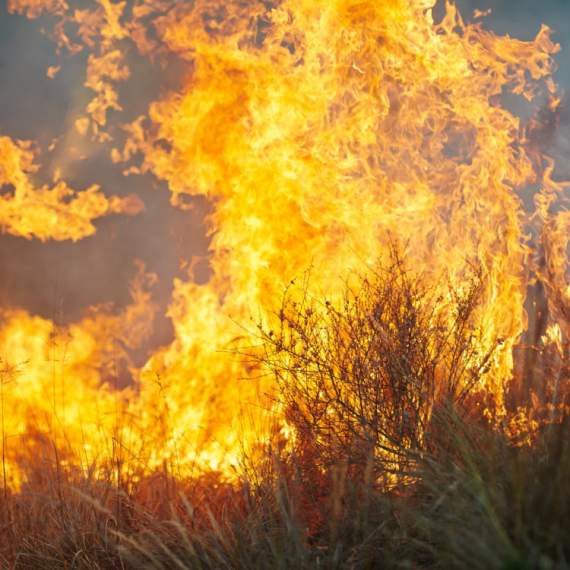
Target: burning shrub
359,379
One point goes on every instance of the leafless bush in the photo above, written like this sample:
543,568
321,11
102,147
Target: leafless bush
359,379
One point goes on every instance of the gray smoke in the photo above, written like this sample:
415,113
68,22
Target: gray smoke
40,276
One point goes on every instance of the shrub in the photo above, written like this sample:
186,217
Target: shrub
360,378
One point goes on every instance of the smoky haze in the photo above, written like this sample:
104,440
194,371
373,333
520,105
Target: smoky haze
39,277
523,19
44,277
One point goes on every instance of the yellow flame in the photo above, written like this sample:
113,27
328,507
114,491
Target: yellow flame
315,135
58,213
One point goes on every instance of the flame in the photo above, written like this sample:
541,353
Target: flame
316,129
58,213
57,379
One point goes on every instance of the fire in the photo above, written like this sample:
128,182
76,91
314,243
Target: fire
316,129
59,213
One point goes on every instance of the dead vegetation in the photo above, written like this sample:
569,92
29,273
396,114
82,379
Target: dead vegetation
361,378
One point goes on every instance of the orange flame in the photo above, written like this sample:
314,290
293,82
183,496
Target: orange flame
316,128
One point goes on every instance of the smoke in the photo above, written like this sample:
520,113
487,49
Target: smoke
65,277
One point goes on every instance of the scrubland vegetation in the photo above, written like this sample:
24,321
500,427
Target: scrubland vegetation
396,458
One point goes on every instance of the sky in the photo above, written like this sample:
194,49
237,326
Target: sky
40,277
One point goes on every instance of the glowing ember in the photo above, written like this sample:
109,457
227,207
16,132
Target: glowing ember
316,128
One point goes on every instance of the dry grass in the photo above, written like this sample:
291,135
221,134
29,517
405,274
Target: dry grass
391,464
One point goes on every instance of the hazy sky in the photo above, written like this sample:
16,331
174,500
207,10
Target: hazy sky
522,19
96,269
